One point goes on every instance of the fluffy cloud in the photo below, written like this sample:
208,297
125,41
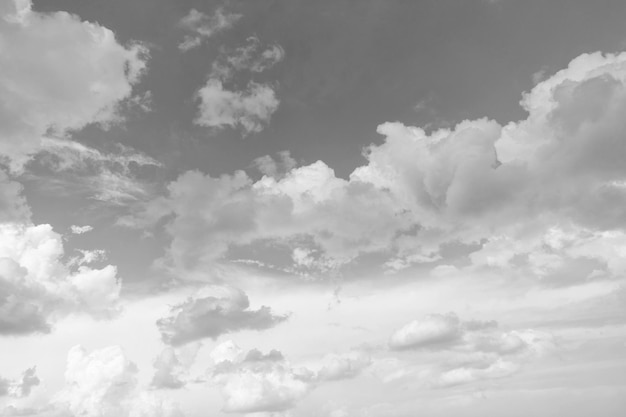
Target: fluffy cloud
461,352
502,190
211,314
431,331
37,286
345,366
213,214
250,109
203,27
104,383
256,383
40,94
172,365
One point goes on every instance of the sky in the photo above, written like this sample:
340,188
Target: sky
298,208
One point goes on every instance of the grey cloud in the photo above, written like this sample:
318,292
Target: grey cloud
207,316
22,387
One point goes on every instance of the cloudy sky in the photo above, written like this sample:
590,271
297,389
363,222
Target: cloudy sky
316,208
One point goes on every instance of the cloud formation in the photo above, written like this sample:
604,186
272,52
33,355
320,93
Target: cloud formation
109,177
22,387
37,286
257,383
460,352
104,383
203,27
477,184
248,108
213,312
41,95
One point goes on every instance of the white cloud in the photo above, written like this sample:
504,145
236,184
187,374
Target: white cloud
212,312
477,184
344,366
454,352
259,383
172,366
38,286
435,331
40,94
249,110
104,383
79,230
203,27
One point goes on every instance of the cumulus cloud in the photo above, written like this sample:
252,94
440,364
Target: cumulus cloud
501,190
431,331
172,365
202,27
213,312
104,383
37,286
249,109
256,382
335,367
461,352
40,94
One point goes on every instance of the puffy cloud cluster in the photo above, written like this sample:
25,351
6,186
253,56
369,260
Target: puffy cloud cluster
213,312
472,350
37,286
40,95
256,382
172,365
502,189
343,218
203,27
249,108
104,383
335,367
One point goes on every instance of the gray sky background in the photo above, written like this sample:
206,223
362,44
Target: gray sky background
320,208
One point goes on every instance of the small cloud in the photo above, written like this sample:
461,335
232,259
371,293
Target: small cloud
203,27
249,110
79,230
